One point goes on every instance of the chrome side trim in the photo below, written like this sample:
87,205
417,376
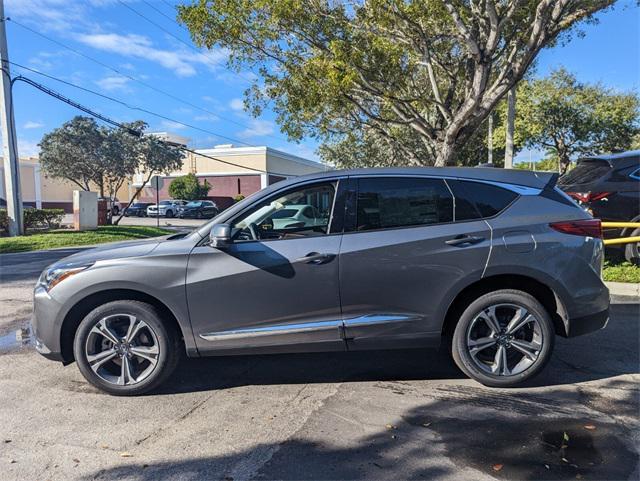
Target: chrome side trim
375,319
518,189
271,330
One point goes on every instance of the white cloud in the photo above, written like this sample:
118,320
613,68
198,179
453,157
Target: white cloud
182,62
32,124
257,128
114,82
207,118
171,125
236,104
28,148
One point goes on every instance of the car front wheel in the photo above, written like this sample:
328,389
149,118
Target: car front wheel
169,214
124,348
503,338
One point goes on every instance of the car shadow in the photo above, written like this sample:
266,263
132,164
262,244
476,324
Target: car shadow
604,354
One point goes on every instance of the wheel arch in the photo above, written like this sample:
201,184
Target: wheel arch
541,291
86,304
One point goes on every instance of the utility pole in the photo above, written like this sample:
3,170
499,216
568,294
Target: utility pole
490,139
511,115
12,192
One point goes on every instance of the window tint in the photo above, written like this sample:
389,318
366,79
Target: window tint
585,172
388,202
272,218
477,199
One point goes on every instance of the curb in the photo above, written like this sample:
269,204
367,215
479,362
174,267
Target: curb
623,289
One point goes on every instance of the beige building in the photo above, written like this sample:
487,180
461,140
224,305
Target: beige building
230,171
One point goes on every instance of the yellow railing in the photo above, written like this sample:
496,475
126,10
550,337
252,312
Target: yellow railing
621,240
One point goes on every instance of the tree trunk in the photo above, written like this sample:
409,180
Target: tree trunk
134,197
445,151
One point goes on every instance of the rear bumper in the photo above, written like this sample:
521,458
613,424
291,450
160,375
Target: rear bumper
586,324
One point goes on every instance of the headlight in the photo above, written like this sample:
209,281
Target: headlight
52,276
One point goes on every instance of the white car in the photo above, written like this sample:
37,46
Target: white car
167,208
301,215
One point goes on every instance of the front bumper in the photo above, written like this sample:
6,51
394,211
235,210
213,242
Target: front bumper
46,325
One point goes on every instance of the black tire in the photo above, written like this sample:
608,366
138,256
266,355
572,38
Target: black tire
198,215
168,343
169,214
544,330
116,211
632,250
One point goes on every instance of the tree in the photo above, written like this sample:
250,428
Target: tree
383,71
155,157
568,118
187,187
73,152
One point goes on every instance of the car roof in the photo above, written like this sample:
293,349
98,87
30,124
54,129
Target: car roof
526,178
620,159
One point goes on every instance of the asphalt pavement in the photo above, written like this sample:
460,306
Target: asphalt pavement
366,415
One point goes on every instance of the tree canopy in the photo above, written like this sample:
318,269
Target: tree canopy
405,81
187,187
569,119
94,156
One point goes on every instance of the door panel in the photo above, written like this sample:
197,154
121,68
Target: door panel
393,281
274,287
258,294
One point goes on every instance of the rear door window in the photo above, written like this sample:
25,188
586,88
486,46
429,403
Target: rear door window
393,202
475,200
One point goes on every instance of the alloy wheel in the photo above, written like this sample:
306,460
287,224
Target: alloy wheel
504,339
122,349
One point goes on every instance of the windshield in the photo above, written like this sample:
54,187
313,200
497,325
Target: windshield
194,204
585,172
165,202
138,205
284,213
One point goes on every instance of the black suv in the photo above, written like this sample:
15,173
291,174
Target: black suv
608,186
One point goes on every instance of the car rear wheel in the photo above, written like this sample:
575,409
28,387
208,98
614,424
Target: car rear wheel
632,250
124,348
503,338
169,214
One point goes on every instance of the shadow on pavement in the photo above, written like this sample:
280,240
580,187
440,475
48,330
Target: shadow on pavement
604,354
438,438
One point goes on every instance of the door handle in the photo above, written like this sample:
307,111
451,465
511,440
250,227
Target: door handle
464,240
316,258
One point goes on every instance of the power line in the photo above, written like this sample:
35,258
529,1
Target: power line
151,5
160,27
141,82
67,100
131,107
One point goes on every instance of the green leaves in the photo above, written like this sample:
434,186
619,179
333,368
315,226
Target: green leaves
383,71
187,187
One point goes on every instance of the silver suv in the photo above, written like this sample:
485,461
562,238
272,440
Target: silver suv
492,263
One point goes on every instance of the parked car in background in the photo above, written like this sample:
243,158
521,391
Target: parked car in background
608,186
137,209
117,206
296,216
166,208
493,264
199,209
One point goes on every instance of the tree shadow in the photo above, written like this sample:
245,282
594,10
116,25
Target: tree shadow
509,438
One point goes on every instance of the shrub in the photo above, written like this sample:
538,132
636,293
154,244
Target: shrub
238,198
43,218
187,187
4,220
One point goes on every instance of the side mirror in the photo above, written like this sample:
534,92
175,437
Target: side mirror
220,236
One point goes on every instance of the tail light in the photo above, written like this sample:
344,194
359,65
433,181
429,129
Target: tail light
586,227
589,196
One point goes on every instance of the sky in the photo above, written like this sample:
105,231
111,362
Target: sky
134,58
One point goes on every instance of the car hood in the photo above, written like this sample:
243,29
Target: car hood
118,250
